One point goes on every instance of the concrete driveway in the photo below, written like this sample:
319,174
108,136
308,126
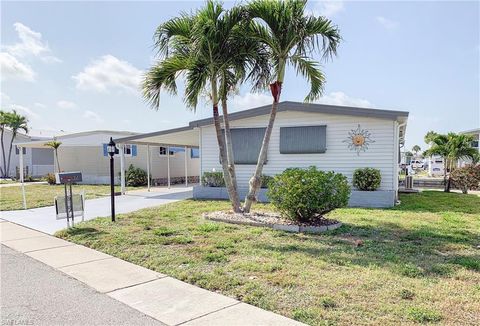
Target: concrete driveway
43,219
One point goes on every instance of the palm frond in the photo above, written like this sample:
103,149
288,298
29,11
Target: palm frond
310,70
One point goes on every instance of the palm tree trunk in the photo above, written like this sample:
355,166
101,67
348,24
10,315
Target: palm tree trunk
10,152
449,181
4,170
445,168
255,181
58,162
230,159
222,149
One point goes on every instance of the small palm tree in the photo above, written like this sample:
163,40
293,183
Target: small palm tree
55,145
451,148
4,118
290,37
416,149
16,122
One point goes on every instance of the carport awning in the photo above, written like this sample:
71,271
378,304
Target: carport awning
184,136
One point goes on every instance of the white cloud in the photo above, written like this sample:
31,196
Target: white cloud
387,23
250,100
31,45
66,104
92,116
11,68
340,98
328,8
39,105
109,72
26,111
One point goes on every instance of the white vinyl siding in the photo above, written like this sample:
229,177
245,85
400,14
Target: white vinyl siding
338,157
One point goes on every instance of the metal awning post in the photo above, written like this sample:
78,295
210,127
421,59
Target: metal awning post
186,167
21,177
122,169
168,166
148,167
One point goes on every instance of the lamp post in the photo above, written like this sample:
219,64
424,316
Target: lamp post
111,149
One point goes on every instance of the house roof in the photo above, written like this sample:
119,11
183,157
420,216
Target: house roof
78,139
183,136
472,131
311,108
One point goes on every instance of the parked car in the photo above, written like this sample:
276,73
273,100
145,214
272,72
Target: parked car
416,164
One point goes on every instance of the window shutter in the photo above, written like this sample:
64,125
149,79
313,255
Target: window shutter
303,140
246,144
105,152
134,150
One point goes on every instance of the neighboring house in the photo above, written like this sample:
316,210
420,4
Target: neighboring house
325,136
86,152
475,143
37,162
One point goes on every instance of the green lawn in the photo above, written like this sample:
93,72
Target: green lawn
43,194
419,262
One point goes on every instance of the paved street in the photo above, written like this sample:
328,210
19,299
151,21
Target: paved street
43,219
33,293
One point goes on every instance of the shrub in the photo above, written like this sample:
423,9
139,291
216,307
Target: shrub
367,179
265,179
213,179
135,177
306,194
50,178
466,178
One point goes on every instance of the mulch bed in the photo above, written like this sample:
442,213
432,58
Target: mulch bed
273,220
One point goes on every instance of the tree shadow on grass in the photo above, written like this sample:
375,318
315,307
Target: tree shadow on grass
418,252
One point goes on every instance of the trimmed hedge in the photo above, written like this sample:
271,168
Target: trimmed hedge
307,194
135,177
213,179
367,179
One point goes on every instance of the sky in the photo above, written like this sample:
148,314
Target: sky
76,66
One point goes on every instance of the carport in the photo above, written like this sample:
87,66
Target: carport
187,137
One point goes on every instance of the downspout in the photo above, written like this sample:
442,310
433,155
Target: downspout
397,151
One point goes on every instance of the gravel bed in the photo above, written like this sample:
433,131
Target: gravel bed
272,220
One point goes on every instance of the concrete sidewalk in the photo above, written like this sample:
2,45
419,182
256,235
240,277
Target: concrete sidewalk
43,218
163,298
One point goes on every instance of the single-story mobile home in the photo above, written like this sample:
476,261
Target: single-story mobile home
333,138
37,162
87,152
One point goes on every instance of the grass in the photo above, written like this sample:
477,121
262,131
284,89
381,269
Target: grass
419,262
43,194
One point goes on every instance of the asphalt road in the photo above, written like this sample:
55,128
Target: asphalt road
33,293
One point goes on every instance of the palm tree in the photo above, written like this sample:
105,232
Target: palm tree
16,122
4,120
55,145
290,37
451,148
211,50
429,136
416,149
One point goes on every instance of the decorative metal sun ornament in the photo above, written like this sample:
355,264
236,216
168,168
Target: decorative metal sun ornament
359,139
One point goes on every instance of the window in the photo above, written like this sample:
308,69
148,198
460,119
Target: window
194,152
475,144
127,150
163,151
17,151
246,144
303,140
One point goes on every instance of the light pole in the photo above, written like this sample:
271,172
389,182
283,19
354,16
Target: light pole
112,150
